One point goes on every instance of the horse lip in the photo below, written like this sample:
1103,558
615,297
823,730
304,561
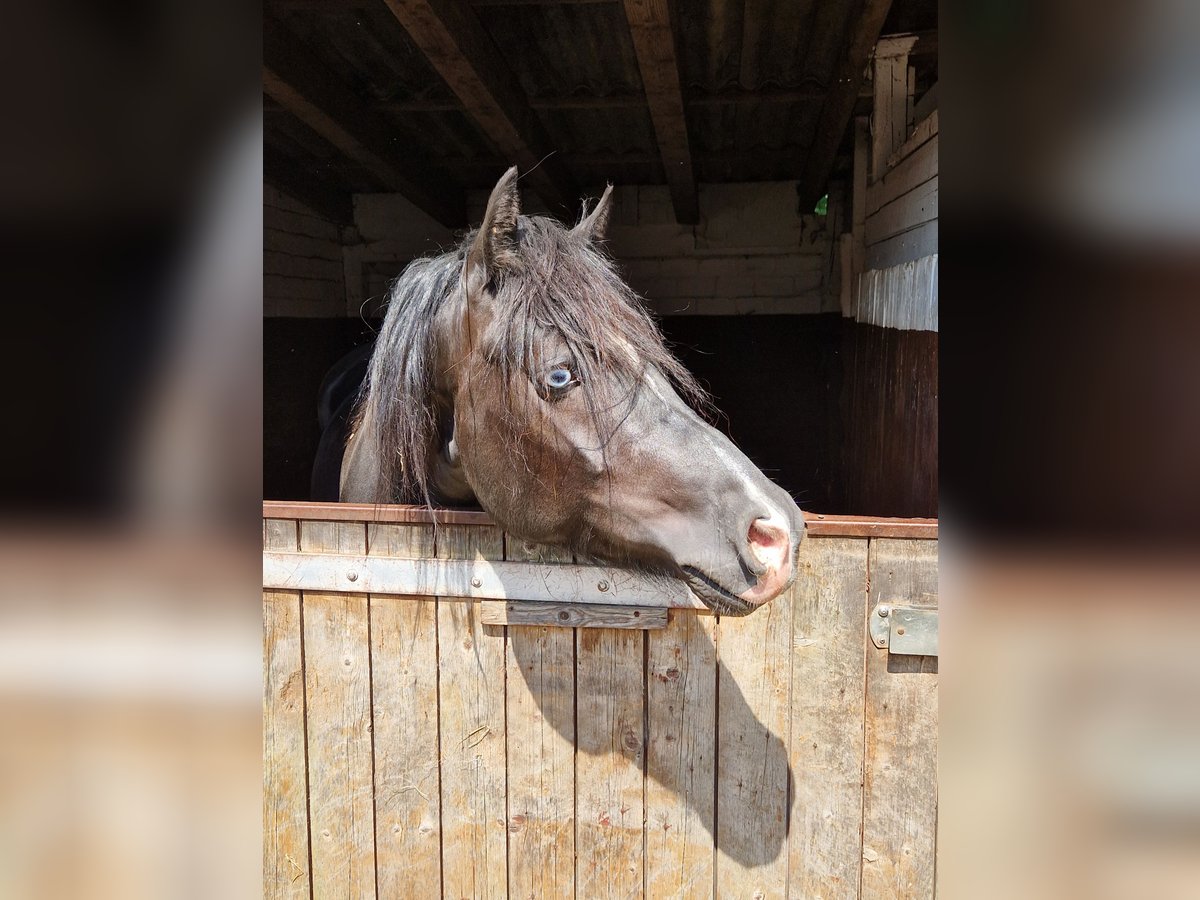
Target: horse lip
717,598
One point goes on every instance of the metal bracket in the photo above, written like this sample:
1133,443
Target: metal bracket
904,630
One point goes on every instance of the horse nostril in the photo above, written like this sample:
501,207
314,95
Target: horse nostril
769,542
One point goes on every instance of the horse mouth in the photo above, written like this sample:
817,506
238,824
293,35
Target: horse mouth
715,597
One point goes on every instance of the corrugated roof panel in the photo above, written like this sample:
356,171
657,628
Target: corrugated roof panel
558,51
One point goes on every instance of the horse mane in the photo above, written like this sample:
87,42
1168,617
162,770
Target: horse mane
553,282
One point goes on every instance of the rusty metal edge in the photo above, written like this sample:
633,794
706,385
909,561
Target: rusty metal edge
818,525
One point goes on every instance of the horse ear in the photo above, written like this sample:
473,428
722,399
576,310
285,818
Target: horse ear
494,240
594,225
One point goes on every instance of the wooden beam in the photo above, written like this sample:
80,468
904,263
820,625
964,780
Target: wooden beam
460,50
889,113
319,195
654,44
304,86
839,104
728,97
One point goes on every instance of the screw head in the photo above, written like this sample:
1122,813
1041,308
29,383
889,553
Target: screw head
476,582
603,585
884,612
353,576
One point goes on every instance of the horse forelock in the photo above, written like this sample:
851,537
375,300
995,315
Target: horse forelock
553,284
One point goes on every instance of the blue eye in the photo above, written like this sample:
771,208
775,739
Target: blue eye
559,378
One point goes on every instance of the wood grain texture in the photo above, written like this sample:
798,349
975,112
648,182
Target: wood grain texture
918,206
572,615
404,698
752,765
472,727
285,795
654,43
892,100
900,777
826,747
911,172
338,695
460,50
681,709
540,698
825,525
608,783
890,419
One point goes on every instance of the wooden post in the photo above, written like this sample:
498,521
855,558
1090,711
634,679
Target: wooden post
892,99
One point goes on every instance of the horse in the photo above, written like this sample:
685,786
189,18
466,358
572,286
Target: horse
519,373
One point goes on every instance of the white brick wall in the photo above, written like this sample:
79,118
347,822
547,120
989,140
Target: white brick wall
303,274
752,251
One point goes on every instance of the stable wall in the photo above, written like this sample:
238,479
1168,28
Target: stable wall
888,453
753,252
302,260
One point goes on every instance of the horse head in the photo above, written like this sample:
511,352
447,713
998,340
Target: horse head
521,373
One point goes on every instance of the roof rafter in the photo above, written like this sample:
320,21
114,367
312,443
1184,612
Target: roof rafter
839,104
300,83
460,50
654,44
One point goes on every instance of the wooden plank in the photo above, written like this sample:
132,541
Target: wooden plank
609,784
404,700
304,85
904,247
461,51
373,512
471,723
826,746
925,130
572,615
752,763
540,698
906,212
828,525
900,771
286,871
891,99
911,172
839,103
681,711
654,43
338,696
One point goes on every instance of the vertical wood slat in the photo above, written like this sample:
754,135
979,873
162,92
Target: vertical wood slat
826,746
681,680
609,762
285,798
754,662
900,772
338,687
404,700
472,728
540,698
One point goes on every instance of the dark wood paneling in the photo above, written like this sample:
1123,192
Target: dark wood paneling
889,415
296,355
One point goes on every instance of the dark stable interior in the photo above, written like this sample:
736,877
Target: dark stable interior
843,415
